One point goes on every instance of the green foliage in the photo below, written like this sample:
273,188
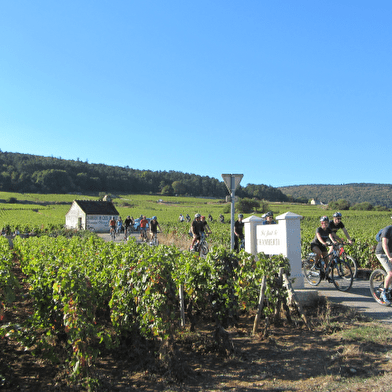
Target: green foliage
247,205
365,206
339,205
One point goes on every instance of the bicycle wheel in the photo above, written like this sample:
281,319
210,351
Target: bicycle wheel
311,272
353,265
376,281
203,249
341,275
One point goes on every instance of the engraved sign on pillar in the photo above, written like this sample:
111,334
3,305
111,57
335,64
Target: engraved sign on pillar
269,239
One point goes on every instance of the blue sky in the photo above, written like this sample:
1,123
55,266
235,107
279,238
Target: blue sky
285,92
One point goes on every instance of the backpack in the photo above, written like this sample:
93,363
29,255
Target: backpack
378,235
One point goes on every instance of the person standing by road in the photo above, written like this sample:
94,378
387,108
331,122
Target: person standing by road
384,255
238,232
335,224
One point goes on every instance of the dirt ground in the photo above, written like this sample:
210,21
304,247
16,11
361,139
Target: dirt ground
289,357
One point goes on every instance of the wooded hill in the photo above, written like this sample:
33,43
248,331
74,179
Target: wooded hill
37,174
375,194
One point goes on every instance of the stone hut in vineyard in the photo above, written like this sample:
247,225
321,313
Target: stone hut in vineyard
90,215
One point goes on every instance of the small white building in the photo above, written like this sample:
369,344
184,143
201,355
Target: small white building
90,215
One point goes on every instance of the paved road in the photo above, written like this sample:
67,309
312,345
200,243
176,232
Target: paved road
358,297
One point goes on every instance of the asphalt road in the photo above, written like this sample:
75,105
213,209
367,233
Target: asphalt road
358,297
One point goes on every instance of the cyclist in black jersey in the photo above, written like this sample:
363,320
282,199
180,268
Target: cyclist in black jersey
337,224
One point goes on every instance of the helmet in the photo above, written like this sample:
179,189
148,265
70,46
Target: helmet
324,219
203,217
154,218
269,213
337,215
197,215
240,216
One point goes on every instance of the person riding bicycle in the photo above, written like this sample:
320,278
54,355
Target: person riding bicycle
323,234
154,225
195,230
238,232
221,218
112,225
127,224
204,225
335,224
269,218
119,225
384,255
143,227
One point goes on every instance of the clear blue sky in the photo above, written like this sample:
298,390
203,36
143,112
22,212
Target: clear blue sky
284,92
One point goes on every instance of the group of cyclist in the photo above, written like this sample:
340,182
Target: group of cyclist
327,233
199,228
116,226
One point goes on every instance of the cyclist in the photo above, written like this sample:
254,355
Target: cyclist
221,218
127,224
384,255
195,230
188,218
181,218
204,225
337,224
210,218
112,225
119,225
238,232
154,225
269,218
323,234
143,227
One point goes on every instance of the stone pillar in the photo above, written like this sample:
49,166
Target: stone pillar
291,236
284,237
250,225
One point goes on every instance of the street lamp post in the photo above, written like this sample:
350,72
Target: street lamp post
232,181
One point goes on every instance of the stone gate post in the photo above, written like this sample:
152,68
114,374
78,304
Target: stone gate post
281,238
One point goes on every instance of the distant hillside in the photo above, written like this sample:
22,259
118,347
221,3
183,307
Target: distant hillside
375,194
37,174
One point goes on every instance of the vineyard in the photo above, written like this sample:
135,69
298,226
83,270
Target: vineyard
88,295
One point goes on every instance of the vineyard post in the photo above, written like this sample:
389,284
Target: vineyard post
232,181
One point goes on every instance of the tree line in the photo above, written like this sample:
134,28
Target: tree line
37,174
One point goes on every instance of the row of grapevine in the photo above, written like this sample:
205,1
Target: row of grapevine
89,292
8,282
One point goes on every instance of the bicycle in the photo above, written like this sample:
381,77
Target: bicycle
337,270
201,246
154,240
143,234
376,283
348,259
127,231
